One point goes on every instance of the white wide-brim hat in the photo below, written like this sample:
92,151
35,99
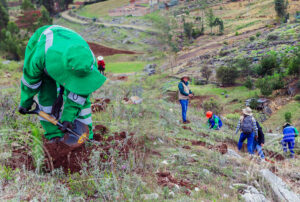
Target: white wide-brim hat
100,58
247,111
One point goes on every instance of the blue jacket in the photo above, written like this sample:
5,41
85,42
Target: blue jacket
215,122
181,88
289,134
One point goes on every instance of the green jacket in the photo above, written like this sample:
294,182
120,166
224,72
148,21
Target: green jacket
33,73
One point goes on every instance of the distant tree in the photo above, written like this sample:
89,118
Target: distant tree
4,17
281,8
45,18
206,73
210,19
4,3
227,75
219,22
188,29
27,5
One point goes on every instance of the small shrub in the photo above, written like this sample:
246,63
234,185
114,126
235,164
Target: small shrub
225,43
248,83
252,38
236,33
297,98
272,37
267,65
227,75
294,66
265,86
253,103
258,34
288,117
212,105
298,84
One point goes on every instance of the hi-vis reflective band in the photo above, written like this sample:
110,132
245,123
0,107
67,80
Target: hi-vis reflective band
46,109
86,121
32,86
76,98
85,112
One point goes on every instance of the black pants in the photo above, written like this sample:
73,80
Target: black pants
101,69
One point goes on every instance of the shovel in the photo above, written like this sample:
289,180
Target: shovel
74,137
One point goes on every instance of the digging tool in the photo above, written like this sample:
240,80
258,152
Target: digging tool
74,137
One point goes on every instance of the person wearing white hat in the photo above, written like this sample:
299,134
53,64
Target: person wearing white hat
101,64
247,124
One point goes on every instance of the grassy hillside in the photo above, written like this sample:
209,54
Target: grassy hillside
101,9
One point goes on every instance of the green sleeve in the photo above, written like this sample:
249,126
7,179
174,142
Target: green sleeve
72,107
296,132
32,70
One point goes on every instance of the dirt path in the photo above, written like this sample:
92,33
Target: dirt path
65,15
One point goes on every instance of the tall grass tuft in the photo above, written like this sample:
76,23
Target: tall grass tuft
37,148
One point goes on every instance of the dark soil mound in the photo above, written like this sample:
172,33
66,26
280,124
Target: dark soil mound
58,155
106,51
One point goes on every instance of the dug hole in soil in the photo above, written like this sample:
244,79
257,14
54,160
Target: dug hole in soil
106,51
59,155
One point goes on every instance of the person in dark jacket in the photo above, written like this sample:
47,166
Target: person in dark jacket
259,142
184,94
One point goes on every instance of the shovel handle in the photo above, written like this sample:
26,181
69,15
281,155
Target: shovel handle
49,118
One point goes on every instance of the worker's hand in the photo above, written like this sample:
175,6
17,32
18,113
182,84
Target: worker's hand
66,124
261,144
23,110
191,95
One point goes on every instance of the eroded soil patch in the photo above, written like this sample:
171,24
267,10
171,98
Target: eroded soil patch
57,155
106,51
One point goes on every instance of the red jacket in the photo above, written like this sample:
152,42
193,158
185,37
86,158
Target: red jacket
101,64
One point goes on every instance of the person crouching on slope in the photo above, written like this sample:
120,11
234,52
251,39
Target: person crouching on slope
247,124
289,134
59,57
184,94
214,122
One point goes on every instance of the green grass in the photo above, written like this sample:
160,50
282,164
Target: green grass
102,8
125,67
277,118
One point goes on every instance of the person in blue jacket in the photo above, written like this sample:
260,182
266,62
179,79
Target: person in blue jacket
184,94
214,122
289,134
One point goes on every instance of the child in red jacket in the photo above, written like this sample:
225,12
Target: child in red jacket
101,65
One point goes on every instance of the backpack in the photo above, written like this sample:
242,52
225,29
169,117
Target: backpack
247,125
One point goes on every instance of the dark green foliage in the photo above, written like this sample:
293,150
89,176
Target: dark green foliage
219,22
212,105
210,19
27,5
252,38
206,73
297,98
188,29
272,37
244,66
11,42
265,86
227,75
281,8
294,63
4,18
268,65
253,103
248,83
258,34
4,3
45,18
288,117
270,83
